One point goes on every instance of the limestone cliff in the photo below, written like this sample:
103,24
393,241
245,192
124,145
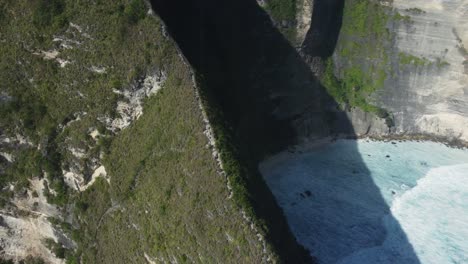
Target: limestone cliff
432,97
405,61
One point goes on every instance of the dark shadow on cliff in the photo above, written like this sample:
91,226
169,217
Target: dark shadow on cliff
266,92
322,36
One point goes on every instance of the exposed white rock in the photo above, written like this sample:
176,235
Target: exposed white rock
99,172
23,235
447,124
73,179
77,117
63,62
48,55
303,19
23,140
75,26
229,237
66,43
132,108
77,152
261,3
99,70
35,200
94,134
17,140
149,259
9,157
53,55
80,30
76,180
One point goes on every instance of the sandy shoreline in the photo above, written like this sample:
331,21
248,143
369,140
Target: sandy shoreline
453,143
320,142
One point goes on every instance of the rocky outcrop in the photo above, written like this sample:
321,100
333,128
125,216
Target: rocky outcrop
25,225
131,107
367,124
303,19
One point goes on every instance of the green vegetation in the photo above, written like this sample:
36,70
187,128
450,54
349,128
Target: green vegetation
49,13
415,11
361,47
160,170
364,18
28,260
2,13
32,260
406,59
236,173
166,198
240,162
46,96
352,89
135,11
404,18
441,63
26,166
282,9
58,250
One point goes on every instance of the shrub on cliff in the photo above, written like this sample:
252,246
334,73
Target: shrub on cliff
135,11
49,13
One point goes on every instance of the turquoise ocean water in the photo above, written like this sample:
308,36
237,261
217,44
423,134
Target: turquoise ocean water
363,201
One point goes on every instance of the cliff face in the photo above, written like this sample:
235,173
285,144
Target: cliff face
429,97
398,67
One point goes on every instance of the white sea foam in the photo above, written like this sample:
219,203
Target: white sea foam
433,217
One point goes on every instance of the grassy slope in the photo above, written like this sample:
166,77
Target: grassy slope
165,197
46,96
172,203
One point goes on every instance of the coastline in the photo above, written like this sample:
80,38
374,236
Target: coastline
452,143
315,143
387,173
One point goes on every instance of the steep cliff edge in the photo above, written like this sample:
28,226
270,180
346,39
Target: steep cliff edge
399,67
105,148
106,155
427,92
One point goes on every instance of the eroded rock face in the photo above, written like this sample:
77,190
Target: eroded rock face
367,124
131,107
431,98
425,60
25,225
303,19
